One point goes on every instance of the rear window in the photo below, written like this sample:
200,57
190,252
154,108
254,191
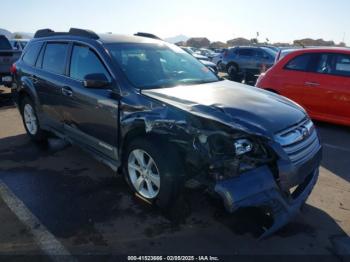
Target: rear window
299,63
341,65
4,43
31,53
55,57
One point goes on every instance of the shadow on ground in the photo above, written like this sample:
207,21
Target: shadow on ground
336,142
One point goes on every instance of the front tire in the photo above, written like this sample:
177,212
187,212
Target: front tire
153,171
31,121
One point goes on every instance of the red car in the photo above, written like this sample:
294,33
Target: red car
318,79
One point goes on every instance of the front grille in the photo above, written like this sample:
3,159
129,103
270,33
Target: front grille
300,142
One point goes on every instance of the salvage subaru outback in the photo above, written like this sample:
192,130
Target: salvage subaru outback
147,108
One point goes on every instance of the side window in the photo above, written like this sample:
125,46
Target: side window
55,57
321,63
299,63
32,53
83,62
341,65
246,52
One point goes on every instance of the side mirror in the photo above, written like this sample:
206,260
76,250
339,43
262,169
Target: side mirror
96,81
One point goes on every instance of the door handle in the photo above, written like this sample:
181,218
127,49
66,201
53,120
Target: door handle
311,84
67,91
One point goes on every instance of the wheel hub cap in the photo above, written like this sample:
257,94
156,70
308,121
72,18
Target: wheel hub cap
143,173
30,119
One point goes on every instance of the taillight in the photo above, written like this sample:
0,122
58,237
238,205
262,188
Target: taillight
13,69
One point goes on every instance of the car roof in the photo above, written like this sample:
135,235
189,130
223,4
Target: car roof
323,50
103,38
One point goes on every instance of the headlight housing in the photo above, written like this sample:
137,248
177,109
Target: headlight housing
233,156
242,146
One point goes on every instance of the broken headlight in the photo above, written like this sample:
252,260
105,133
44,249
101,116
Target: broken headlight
243,146
233,157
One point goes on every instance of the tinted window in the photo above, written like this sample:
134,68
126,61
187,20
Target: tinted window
321,63
84,62
299,63
246,52
55,57
4,43
32,53
159,65
341,65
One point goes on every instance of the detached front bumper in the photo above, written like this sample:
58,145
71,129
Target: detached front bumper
258,188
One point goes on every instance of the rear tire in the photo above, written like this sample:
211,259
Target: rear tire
153,171
31,121
232,71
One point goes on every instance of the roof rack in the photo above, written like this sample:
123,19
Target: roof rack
73,31
147,35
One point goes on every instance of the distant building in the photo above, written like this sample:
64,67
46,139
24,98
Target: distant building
198,42
313,42
218,45
238,41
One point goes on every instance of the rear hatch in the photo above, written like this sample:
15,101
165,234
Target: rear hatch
7,55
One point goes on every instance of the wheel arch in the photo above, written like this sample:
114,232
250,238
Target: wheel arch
27,89
232,63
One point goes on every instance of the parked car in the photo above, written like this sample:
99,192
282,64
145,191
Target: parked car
247,61
159,116
283,52
19,44
218,58
203,59
316,78
195,54
7,57
208,53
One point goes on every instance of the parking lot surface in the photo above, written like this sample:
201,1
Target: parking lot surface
90,210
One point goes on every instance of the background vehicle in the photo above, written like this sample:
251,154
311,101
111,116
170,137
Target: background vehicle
316,78
218,58
203,59
194,54
155,112
207,52
7,57
283,52
19,44
247,62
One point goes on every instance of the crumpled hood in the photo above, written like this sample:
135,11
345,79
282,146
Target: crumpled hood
233,104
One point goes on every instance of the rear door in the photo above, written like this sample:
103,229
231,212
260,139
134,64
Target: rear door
246,58
50,80
90,115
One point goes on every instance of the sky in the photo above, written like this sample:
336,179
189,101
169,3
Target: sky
219,20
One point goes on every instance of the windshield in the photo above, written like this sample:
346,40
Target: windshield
270,51
159,65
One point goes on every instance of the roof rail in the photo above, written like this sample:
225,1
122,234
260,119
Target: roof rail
73,31
147,35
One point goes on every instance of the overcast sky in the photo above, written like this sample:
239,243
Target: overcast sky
281,21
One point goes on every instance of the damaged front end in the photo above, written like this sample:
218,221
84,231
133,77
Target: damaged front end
245,168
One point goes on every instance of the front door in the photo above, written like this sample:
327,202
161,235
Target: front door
90,115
